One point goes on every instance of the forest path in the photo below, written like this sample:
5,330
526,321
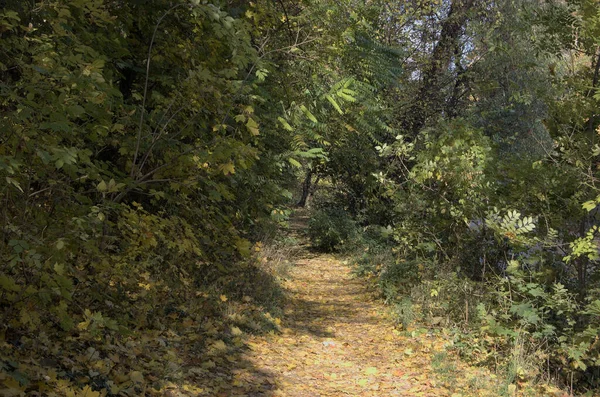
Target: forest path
337,340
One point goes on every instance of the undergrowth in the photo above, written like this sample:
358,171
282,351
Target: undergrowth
173,342
525,333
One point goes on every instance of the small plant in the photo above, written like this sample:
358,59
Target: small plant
404,312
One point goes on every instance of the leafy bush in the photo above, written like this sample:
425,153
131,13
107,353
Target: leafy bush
331,229
127,204
549,321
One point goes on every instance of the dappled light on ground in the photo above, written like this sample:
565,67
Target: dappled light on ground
336,338
337,341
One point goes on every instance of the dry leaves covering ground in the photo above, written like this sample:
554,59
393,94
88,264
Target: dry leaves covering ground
336,339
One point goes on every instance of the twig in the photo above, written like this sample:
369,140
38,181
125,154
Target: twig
142,111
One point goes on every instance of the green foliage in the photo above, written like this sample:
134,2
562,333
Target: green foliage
331,229
548,319
146,146
136,167
484,202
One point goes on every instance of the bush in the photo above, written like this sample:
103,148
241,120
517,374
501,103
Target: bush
331,229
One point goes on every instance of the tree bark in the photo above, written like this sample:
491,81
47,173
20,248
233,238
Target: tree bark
430,98
305,189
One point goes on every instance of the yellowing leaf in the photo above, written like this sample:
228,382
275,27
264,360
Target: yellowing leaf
102,187
208,364
334,104
252,126
294,162
223,298
363,382
136,376
15,183
371,371
219,345
59,268
285,124
308,114
88,392
228,169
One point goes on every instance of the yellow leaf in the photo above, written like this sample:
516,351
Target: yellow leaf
219,345
120,378
252,126
223,298
192,389
88,392
136,376
228,169
363,382
371,371
235,331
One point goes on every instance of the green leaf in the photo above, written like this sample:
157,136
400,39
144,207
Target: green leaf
262,74
334,104
308,114
285,124
347,95
102,187
294,162
8,284
75,110
15,183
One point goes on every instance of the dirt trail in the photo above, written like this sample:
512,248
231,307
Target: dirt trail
336,340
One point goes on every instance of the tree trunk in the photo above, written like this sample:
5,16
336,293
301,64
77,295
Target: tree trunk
430,98
305,189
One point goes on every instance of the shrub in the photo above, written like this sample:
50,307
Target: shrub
330,229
